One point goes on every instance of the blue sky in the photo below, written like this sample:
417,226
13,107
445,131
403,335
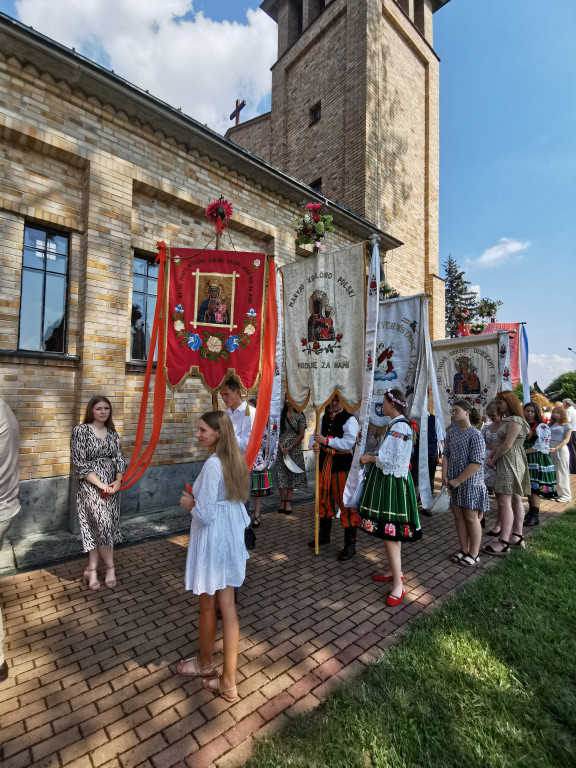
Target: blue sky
507,126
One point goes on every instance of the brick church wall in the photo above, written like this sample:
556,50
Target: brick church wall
71,161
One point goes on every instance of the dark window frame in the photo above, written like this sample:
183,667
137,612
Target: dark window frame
315,113
316,185
26,268
150,263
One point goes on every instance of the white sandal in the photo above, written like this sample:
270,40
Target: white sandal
198,672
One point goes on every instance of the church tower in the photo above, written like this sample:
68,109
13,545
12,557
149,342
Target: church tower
354,114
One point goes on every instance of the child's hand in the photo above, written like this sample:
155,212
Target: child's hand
187,501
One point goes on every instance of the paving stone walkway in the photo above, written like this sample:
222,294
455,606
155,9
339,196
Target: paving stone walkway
93,679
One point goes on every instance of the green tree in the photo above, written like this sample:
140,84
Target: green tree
562,387
459,299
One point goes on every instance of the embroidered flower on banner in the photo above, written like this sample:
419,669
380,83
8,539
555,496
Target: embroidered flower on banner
252,312
232,343
256,263
179,323
249,329
390,529
214,344
194,342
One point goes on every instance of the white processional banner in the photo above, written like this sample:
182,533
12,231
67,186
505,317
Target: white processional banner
324,320
467,368
398,351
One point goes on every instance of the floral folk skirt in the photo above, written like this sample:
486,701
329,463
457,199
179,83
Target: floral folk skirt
542,475
261,483
388,507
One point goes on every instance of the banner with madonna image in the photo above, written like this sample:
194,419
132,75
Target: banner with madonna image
215,316
468,368
324,321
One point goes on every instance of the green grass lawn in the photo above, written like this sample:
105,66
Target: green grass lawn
487,680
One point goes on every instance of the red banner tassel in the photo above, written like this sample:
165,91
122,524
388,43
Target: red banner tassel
267,376
139,464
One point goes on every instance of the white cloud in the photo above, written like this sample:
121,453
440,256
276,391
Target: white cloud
475,289
498,254
195,63
545,368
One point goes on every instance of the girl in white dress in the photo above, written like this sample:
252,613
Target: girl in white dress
217,554
560,432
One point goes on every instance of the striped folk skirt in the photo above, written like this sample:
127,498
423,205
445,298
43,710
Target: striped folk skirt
542,475
261,483
388,507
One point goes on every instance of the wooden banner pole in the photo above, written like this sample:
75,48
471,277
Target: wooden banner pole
317,487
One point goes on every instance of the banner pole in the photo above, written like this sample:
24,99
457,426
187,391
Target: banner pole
317,491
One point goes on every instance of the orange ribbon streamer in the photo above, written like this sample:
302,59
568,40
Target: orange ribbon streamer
139,464
267,377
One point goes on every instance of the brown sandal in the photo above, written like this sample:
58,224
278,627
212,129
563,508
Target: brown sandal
213,686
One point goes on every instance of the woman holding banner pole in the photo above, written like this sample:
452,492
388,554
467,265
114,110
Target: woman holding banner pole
388,506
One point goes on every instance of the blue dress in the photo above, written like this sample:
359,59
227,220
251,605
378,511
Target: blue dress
463,447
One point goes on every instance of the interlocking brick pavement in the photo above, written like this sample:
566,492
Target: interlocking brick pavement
93,681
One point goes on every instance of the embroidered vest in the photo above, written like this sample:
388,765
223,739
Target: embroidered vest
333,426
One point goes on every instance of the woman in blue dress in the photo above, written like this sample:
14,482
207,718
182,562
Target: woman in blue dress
463,475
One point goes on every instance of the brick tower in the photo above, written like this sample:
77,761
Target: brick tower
354,114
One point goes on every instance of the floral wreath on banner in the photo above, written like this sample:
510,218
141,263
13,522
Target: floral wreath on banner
312,226
213,344
315,348
219,212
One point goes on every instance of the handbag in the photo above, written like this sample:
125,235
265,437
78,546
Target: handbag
249,538
441,502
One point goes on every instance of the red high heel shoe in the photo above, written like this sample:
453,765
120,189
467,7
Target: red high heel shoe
382,577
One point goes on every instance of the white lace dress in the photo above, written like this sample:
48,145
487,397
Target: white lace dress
216,552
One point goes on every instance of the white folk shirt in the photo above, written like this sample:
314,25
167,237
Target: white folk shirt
242,423
571,413
347,442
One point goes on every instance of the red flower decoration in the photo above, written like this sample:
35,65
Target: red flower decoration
304,342
219,212
316,345
338,337
406,530
414,425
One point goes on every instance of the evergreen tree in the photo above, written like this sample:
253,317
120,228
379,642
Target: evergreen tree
458,297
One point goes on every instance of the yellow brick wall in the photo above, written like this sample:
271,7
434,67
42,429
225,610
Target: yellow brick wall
114,185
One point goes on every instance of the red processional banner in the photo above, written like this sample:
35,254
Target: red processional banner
513,330
215,316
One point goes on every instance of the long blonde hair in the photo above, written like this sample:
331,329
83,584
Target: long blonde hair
234,468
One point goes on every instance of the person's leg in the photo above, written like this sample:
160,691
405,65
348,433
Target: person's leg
506,521
461,528
257,505
347,516
393,551
4,525
207,629
532,517
91,572
230,638
474,530
282,492
107,554
288,501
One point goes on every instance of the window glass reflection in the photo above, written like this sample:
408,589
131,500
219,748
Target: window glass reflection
54,306
30,317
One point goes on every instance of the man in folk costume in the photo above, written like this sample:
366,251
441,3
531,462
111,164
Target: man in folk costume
335,443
